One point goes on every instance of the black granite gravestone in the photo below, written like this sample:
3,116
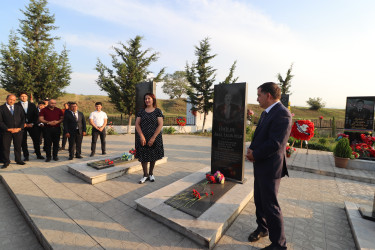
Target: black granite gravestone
285,100
140,90
359,117
228,130
210,193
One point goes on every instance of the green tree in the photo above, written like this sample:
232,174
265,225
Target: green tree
130,65
201,76
285,84
316,103
33,65
175,85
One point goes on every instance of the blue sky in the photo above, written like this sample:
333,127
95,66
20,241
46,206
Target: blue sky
331,43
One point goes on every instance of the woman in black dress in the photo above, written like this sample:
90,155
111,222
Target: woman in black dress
149,141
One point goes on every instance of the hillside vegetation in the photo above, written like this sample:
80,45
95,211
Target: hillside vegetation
177,107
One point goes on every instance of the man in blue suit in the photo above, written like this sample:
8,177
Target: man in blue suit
267,152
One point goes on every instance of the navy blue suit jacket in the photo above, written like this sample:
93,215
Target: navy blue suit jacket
269,143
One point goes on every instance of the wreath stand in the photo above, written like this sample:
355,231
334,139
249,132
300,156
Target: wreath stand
307,145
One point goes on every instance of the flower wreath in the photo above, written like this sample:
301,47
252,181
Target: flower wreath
181,121
303,130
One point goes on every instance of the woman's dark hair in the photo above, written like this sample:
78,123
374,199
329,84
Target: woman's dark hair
153,99
272,88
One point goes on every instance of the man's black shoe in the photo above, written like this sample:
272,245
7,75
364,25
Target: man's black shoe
104,153
21,163
40,157
79,156
56,158
92,154
274,247
26,158
48,159
256,235
5,165
70,158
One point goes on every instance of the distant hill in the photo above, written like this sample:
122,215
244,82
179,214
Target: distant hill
86,103
177,107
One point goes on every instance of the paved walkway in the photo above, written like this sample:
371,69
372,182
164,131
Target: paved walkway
103,216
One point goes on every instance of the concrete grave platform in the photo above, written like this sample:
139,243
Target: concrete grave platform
94,176
208,228
363,230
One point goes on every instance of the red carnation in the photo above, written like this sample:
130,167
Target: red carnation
212,193
206,194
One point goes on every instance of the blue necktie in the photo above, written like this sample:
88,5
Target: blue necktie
11,109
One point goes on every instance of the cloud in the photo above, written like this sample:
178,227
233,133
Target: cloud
324,66
90,41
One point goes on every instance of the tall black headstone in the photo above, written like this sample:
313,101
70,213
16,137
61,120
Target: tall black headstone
228,130
285,100
140,90
359,117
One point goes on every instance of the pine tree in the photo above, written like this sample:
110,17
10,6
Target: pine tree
130,65
201,76
35,68
285,84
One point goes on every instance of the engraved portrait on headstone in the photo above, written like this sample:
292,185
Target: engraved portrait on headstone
359,113
228,130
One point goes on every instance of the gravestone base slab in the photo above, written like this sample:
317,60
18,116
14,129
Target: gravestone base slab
94,176
208,228
363,230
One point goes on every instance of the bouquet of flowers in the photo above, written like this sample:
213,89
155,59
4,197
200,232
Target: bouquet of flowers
289,151
128,156
364,149
215,178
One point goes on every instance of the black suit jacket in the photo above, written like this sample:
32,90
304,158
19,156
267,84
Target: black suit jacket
7,120
269,143
70,123
32,114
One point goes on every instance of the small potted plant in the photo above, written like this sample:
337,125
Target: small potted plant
342,153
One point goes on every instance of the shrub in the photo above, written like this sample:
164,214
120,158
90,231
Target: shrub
334,132
169,130
343,148
322,141
88,130
316,103
111,131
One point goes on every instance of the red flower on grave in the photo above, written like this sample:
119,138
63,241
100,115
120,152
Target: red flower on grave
206,194
212,193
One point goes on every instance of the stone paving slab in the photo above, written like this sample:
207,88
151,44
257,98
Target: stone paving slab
312,204
208,228
94,176
363,230
322,162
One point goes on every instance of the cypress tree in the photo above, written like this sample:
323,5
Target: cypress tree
130,65
33,65
286,84
201,76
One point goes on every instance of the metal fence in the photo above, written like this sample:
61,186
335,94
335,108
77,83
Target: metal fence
168,120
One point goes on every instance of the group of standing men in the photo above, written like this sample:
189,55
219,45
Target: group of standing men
18,119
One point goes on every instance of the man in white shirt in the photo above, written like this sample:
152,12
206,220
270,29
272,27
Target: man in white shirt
98,120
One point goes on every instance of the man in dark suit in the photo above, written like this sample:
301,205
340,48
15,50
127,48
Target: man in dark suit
31,126
267,152
12,122
74,129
